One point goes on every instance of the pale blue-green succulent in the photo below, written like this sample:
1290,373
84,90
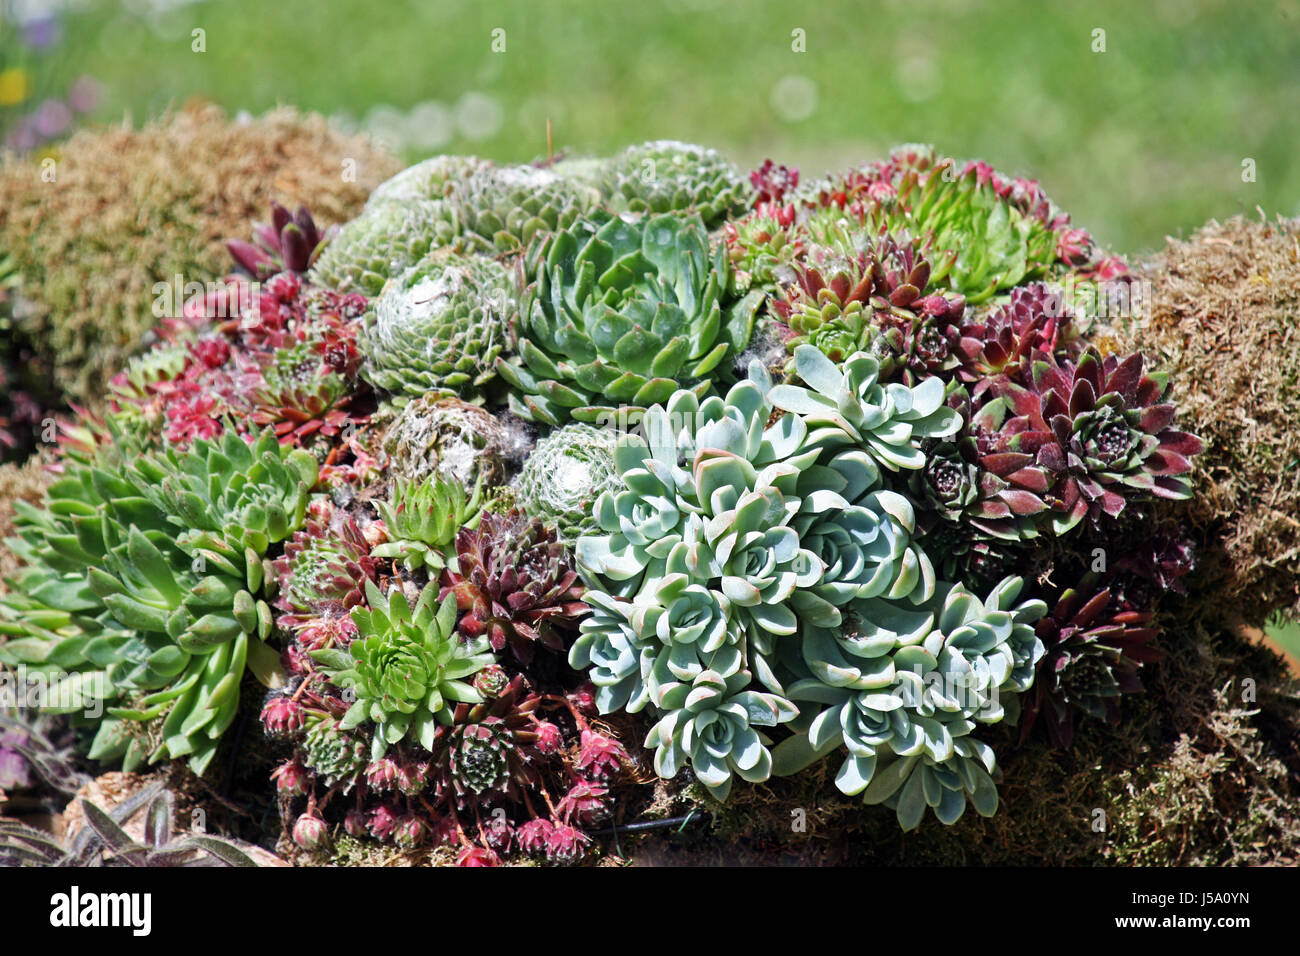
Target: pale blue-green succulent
750,564
848,405
911,685
711,723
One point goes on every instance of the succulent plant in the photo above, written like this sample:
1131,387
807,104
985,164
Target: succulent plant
143,578
728,537
434,178
763,249
504,208
322,570
1000,240
102,841
711,724
1101,427
37,748
337,757
406,668
383,242
422,520
847,404
666,176
452,438
286,244
1096,646
885,299
904,687
1004,340
515,582
439,327
301,396
997,495
622,314
565,474
486,749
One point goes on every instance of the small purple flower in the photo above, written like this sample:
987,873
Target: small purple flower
41,33
52,118
85,94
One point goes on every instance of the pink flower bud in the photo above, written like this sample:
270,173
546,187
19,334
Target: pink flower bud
532,837
310,832
282,716
549,738
477,856
355,824
291,779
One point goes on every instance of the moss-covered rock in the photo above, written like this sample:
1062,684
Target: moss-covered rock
1223,317
121,209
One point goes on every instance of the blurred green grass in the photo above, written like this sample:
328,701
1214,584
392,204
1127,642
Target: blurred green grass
1142,140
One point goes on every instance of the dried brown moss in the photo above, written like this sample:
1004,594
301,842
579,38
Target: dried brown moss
132,207
1225,321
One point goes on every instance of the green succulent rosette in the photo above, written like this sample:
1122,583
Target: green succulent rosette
667,176
142,599
383,242
564,475
502,209
621,314
406,668
438,328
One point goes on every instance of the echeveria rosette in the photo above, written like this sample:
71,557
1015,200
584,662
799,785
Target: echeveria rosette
406,668
1096,646
611,650
622,313
848,405
745,546
914,682
1102,428
862,536
696,459
438,327
711,724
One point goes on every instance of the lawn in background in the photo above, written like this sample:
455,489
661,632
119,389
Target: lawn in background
1144,139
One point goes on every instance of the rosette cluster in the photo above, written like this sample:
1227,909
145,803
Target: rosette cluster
755,560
